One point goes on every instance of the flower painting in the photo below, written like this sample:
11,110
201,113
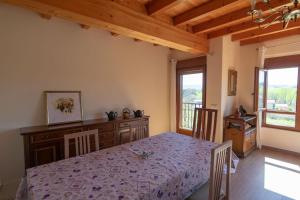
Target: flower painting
65,104
63,107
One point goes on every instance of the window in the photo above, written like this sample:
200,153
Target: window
281,97
277,92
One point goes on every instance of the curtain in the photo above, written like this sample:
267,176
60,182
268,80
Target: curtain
173,63
259,63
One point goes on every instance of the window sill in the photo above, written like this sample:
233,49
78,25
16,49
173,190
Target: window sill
280,127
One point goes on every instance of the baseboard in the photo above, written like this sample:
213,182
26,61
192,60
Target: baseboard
281,150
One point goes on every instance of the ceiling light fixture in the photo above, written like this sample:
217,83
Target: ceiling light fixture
282,14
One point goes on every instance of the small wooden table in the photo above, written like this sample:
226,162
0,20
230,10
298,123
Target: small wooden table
242,132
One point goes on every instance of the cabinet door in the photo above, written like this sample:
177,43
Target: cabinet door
106,134
45,153
106,139
125,136
249,142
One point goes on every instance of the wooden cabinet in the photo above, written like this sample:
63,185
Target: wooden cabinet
242,132
45,144
125,130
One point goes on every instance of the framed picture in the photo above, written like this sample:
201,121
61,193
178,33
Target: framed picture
232,82
63,107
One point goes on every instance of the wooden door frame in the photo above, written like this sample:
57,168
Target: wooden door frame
190,66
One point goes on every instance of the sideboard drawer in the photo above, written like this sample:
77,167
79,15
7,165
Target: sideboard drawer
106,136
128,124
50,136
102,127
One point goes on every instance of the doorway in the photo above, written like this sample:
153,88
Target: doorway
190,92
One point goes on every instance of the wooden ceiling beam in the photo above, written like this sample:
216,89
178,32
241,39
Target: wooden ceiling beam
245,26
236,17
119,19
204,10
156,6
267,31
272,36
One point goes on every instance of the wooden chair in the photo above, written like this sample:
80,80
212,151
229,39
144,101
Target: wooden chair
82,142
205,123
212,189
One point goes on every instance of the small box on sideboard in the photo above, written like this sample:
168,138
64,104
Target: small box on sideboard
242,131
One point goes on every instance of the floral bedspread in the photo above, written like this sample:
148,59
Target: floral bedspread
177,165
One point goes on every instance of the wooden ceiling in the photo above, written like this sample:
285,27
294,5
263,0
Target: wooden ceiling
185,25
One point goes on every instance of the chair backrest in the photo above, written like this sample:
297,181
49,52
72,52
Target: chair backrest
219,157
205,123
82,142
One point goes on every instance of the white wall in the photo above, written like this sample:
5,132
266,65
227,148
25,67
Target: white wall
248,59
282,47
214,82
38,55
231,60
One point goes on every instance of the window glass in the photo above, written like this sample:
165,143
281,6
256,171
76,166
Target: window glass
282,89
191,97
281,119
282,96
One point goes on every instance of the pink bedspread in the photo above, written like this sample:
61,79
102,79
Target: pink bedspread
178,164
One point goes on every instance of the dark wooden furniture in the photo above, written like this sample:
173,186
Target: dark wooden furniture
45,144
205,123
220,156
242,131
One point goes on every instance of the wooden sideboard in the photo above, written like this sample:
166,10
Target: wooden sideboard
45,144
242,132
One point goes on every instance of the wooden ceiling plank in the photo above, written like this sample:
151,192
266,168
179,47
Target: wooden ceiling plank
261,31
244,26
236,17
119,19
156,6
203,11
273,36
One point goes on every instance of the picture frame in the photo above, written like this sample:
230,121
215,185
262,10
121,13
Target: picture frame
63,107
232,82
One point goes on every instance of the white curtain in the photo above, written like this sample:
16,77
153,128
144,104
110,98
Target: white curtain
261,51
259,63
173,63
